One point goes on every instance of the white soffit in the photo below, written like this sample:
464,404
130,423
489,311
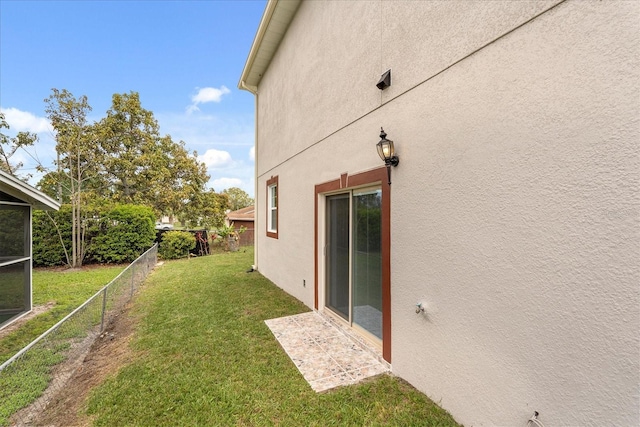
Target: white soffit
275,21
23,191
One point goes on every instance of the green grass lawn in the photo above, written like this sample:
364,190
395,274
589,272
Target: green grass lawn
204,357
68,289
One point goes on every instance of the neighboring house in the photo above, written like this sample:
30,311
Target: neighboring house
512,217
17,200
243,218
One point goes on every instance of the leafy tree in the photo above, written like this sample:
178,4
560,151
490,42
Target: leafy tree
121,158
75,144
205,210
230,236
57,185
186,179
142,167
9,146
238,198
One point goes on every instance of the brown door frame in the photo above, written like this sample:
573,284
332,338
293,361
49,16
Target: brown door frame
345,182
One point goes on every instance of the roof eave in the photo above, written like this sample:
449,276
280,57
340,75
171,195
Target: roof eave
275,20
23,191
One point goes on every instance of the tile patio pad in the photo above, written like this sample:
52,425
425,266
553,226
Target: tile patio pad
323,353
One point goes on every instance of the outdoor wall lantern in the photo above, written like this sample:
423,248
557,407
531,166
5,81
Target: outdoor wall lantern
387,153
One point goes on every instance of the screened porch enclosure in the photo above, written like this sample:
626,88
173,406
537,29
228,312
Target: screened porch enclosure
15,258
17,199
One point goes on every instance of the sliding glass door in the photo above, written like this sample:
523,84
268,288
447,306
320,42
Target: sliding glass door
354,261
338,245
367,261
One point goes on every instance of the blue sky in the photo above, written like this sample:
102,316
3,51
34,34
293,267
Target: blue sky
184,58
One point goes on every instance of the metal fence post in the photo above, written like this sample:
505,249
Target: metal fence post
104,308
133,278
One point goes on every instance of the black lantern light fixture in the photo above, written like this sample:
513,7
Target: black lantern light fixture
387,153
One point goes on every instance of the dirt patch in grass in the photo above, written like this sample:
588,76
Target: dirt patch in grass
37,310
84,267
109,352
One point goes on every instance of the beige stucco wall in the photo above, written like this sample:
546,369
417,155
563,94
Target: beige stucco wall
517,125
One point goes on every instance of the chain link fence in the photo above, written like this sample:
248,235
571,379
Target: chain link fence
31,378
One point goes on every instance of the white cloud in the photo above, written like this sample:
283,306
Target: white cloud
215,158
222,141
252,153
224,183
192,108
42,153
207,94
23,121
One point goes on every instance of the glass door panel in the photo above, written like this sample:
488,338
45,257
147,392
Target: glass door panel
338,240
367,261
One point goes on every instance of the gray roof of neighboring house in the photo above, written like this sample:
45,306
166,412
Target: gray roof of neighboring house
275,21
244,214
23,191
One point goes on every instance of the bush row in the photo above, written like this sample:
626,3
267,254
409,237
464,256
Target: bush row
116,235
176,244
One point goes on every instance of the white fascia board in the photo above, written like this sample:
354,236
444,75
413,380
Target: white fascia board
276,19
23,191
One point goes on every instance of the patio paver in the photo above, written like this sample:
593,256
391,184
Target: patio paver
325,355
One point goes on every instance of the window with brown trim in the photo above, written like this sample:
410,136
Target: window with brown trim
272,207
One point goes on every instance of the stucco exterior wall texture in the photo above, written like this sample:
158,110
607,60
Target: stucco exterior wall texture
515,210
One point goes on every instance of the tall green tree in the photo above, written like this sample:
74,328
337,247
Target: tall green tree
139,165
57,185
75,145
205,210
238,198
10,145
123,159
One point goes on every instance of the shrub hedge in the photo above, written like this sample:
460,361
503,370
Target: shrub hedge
47,247
115,235
126,232
176,244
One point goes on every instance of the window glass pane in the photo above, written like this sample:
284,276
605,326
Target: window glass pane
14,232
14,290
338,254
275,196
367,261
274,219
273,208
